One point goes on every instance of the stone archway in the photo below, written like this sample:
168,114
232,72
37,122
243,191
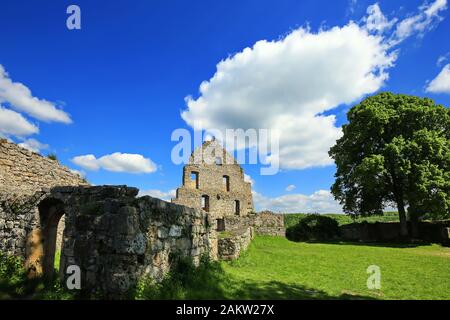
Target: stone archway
41,243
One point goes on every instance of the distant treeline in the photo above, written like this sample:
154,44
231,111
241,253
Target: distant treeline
292,219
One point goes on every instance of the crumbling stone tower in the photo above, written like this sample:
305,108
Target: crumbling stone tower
214,181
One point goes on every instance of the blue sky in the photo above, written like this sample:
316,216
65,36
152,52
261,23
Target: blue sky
123,78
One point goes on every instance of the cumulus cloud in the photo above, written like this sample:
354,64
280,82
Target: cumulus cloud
285,85
20,98
289,84
13,123
290,187
33,145
116,162
321,201
167,196
440,84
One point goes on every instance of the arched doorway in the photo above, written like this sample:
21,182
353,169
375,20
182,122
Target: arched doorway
41,243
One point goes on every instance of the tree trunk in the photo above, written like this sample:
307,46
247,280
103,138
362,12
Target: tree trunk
414,218
402,216
398,195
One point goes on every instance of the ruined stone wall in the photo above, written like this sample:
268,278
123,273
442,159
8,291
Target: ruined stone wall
23,174
211,163
264,223
232,243
430,231
116,238
25,171
17,219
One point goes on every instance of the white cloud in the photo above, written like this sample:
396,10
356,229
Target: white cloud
88,162
285,85
442,59
288,84
167,196
321,201
290,187
13,123
81,173
352,6
427,18
116,162
33,145
247,178
20,98
440,84
376,20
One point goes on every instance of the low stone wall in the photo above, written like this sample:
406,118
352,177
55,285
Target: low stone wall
264,223
437,232
232,243
116,238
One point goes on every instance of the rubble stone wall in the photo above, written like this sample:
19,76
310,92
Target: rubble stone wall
232,243
23,176
26,171
214,173
116,238
264,223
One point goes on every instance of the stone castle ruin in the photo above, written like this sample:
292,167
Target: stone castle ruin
113,236
214,182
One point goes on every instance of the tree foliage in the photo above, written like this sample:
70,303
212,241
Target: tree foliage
394,150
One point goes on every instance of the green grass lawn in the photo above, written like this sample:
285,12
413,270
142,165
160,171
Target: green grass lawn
275,267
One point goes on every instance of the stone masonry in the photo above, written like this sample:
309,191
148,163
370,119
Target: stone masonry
214,181
116,238
25,171
23,175
232,243
263,223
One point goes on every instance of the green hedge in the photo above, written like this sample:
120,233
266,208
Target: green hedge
291,219
314,227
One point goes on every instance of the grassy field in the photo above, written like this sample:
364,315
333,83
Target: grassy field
274,267
293,218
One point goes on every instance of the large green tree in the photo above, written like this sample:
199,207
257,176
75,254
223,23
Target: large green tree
395,150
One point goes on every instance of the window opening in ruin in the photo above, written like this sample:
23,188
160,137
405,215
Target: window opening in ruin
226,182
218,161
220,225
205,203
194,178
237,207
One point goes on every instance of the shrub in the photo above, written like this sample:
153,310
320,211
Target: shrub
12,276
52,156
14,283
314,227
